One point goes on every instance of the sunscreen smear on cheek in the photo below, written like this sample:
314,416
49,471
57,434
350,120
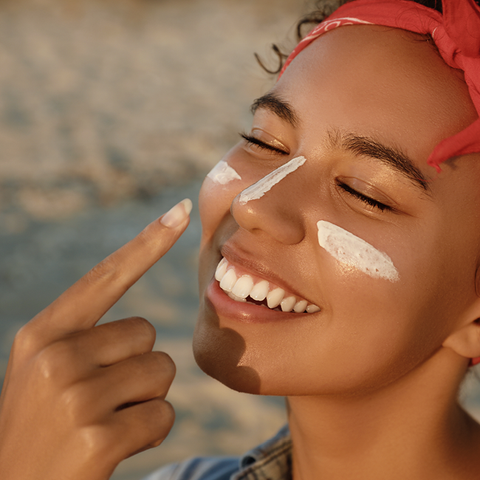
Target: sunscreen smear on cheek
259,189
352,250
223,173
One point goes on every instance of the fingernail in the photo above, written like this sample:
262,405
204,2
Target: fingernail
177,214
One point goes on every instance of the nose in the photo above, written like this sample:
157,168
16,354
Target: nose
274,205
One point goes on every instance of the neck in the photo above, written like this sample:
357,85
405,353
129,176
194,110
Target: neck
413,427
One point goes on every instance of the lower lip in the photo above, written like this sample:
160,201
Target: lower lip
245,312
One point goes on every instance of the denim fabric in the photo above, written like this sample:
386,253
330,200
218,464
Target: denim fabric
269,461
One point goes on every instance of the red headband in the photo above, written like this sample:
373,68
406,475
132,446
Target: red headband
456,35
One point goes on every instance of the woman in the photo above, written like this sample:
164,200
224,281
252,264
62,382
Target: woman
337,268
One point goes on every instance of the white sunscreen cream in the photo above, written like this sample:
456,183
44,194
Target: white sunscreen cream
223,173
353,251
259,189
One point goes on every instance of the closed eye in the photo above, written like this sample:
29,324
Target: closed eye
367,200
261,145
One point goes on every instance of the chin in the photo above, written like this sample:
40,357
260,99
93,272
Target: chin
218,352
240,379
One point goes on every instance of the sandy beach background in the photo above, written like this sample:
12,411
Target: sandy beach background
110,112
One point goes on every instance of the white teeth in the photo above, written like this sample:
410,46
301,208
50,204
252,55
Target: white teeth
288,304
221,269
239,288
275,297
228,280
243,286
234,297
300,306
260,290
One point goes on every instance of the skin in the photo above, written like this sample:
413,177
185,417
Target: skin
372,378
73,389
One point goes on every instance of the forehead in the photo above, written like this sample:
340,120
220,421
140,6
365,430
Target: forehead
381,82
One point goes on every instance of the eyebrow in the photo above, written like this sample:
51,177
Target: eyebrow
276,105
357,144
392,157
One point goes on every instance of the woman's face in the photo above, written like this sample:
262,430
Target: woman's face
365,106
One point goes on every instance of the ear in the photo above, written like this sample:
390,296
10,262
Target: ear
465,340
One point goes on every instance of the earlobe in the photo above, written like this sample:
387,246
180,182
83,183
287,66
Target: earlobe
465,341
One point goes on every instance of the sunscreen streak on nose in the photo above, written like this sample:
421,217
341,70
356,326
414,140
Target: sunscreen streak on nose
259,189
352,250
223,173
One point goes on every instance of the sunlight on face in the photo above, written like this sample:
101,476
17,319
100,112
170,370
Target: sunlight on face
354,91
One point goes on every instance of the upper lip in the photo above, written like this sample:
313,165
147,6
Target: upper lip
257,268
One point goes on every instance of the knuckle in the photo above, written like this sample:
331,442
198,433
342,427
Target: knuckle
157,443
147,238
168,413
73,403
96,441
31,337
46,365
165,364
79,403
107,271
165,415
24,342
161,420
54,362
143,327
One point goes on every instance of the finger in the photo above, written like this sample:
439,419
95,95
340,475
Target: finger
137,379
85,302
141,426
113,342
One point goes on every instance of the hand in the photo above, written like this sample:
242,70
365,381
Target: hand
79,398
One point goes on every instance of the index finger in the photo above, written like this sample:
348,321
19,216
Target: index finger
86,301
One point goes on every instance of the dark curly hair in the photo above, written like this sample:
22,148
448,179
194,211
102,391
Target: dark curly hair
324,8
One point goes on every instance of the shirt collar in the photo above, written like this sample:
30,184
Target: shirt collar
272,458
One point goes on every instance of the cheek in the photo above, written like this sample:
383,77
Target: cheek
354,252
222,173
389,311
214,204
393,326
219,188
232,175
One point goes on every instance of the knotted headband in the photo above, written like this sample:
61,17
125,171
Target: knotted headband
456,34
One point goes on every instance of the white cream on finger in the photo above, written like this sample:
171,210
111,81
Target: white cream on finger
351,250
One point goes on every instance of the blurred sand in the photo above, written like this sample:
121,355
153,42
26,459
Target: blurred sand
110,112
106,100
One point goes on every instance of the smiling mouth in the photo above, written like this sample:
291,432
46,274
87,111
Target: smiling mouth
243,288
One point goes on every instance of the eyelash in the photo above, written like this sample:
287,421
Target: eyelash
369,201
262,145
